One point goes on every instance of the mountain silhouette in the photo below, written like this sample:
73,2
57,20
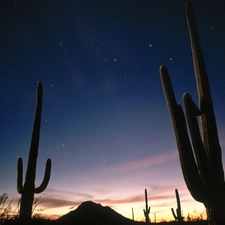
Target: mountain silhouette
93,213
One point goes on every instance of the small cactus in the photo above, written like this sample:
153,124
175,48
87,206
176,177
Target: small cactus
28,190
132,213
147,209
179,216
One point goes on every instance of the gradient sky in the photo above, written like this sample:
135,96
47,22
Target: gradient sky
105,122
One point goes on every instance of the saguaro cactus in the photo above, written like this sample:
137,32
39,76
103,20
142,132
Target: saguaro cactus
28,190
200,158
179,216
132,214
147,209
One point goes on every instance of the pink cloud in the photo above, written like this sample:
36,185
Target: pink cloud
63,193
51,202
143,163
48,202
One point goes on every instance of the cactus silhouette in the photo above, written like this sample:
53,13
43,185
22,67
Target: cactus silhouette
147,209
179,216
28,190
200,158
132,214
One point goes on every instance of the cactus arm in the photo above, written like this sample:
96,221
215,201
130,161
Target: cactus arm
20,175
187,159
174,214
46,179
147,211
191,112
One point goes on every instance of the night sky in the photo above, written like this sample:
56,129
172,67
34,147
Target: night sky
105,122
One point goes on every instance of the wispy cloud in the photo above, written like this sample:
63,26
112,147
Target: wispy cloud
105,180
57,203
143,163
96,182
64,193
51,202
54,198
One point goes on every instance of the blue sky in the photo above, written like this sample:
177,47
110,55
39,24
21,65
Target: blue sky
105,122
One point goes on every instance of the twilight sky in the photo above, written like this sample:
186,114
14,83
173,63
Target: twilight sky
105,122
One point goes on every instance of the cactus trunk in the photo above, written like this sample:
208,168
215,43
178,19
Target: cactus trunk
26,205
215,210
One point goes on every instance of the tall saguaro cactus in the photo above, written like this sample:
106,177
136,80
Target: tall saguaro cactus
28,190
200,158
179,216
147,209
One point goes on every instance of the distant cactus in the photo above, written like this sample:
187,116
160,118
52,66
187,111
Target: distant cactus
202,166
179,216
147,209
132,214
28,190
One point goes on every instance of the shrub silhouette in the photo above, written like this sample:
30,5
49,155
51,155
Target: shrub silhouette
4,208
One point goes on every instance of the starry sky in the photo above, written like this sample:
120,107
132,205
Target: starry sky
105,122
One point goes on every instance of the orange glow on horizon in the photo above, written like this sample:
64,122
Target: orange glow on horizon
159,211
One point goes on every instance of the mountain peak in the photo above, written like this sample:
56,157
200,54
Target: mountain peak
90,212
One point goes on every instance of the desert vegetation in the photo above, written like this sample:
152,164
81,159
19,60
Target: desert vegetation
90,213
178,215
5,208
28,190
200,158
201,166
